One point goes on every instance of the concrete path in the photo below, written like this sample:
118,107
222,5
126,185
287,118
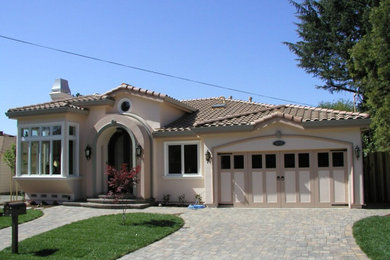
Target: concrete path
231,233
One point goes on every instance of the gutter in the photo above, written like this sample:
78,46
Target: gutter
16,114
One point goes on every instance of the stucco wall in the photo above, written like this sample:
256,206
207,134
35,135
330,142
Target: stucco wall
5,171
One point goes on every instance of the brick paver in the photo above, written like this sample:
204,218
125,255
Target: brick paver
232,233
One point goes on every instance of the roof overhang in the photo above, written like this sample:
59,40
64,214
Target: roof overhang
17,114
337,123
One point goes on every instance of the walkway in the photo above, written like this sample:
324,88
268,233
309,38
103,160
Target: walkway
232,233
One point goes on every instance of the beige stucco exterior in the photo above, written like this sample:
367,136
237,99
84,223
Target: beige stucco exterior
149,113
6,142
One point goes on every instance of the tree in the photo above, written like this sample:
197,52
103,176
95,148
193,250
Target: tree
328,30
370,65
9,158
341,104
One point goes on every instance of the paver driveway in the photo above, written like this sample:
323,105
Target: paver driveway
232,233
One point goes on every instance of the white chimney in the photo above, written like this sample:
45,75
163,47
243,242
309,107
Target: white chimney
60,90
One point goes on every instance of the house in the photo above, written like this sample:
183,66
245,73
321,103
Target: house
6,142
230,152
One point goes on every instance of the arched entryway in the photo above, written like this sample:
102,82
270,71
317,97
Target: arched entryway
121,149
140,137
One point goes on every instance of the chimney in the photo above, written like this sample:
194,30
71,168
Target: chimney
250,99
60,90
230,97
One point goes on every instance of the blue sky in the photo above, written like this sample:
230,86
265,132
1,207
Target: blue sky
235,44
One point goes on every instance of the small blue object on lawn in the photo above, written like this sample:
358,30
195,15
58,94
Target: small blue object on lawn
196,206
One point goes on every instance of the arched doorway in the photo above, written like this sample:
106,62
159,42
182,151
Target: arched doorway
121,150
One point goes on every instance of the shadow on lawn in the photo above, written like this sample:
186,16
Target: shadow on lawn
157,223
45,252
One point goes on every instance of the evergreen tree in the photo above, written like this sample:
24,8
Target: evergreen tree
328,29
370,66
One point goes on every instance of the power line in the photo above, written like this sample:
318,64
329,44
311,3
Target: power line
149,71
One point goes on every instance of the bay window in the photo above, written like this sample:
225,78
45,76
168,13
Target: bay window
48,149
182,158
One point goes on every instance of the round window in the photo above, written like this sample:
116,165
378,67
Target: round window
124,105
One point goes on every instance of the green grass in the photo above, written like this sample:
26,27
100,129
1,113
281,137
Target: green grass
103,237
32,214
372,234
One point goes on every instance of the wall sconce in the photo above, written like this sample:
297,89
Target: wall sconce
357,152
138,151
88,152
208,156
278,134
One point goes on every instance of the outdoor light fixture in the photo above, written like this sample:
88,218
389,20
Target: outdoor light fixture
138,151
208,156
357,152
88,152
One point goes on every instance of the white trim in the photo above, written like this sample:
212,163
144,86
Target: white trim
64,137
182,174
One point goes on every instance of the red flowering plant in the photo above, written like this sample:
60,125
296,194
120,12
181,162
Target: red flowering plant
121,182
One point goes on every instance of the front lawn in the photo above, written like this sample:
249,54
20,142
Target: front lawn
103,237
372,234
31,214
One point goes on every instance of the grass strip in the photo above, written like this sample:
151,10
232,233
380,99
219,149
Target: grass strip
103,237
31,214
372,234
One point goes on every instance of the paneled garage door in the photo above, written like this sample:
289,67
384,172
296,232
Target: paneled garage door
283,179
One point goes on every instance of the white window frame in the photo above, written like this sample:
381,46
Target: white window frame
182,174
64,138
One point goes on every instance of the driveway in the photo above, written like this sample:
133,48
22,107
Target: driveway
232,233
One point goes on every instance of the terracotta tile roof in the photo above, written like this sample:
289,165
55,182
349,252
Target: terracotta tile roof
153,94
72,103
79,103
239,113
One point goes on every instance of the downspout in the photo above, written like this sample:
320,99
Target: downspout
352,195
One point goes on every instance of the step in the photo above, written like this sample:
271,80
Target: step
105,196
116,201
115,206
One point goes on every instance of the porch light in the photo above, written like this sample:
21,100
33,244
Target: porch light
357,152
208,156
88,152
138,151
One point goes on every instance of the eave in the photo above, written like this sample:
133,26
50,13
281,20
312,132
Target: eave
17,114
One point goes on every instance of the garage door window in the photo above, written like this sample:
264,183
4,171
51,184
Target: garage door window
270,161
303,160
257,161
225,162
239,162
289,160
323,159
338,159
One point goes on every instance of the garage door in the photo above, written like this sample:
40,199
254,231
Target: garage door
283,179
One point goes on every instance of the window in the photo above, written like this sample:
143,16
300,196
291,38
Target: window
338,159
323,159
257,162
303,160
238,161
225,162
124,105
270,161
42,146
289,160
182,159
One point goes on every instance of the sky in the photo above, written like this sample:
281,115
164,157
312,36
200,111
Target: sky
233,44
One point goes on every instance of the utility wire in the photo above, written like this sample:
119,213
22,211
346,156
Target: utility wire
149,71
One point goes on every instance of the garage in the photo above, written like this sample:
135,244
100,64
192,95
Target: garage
315,178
